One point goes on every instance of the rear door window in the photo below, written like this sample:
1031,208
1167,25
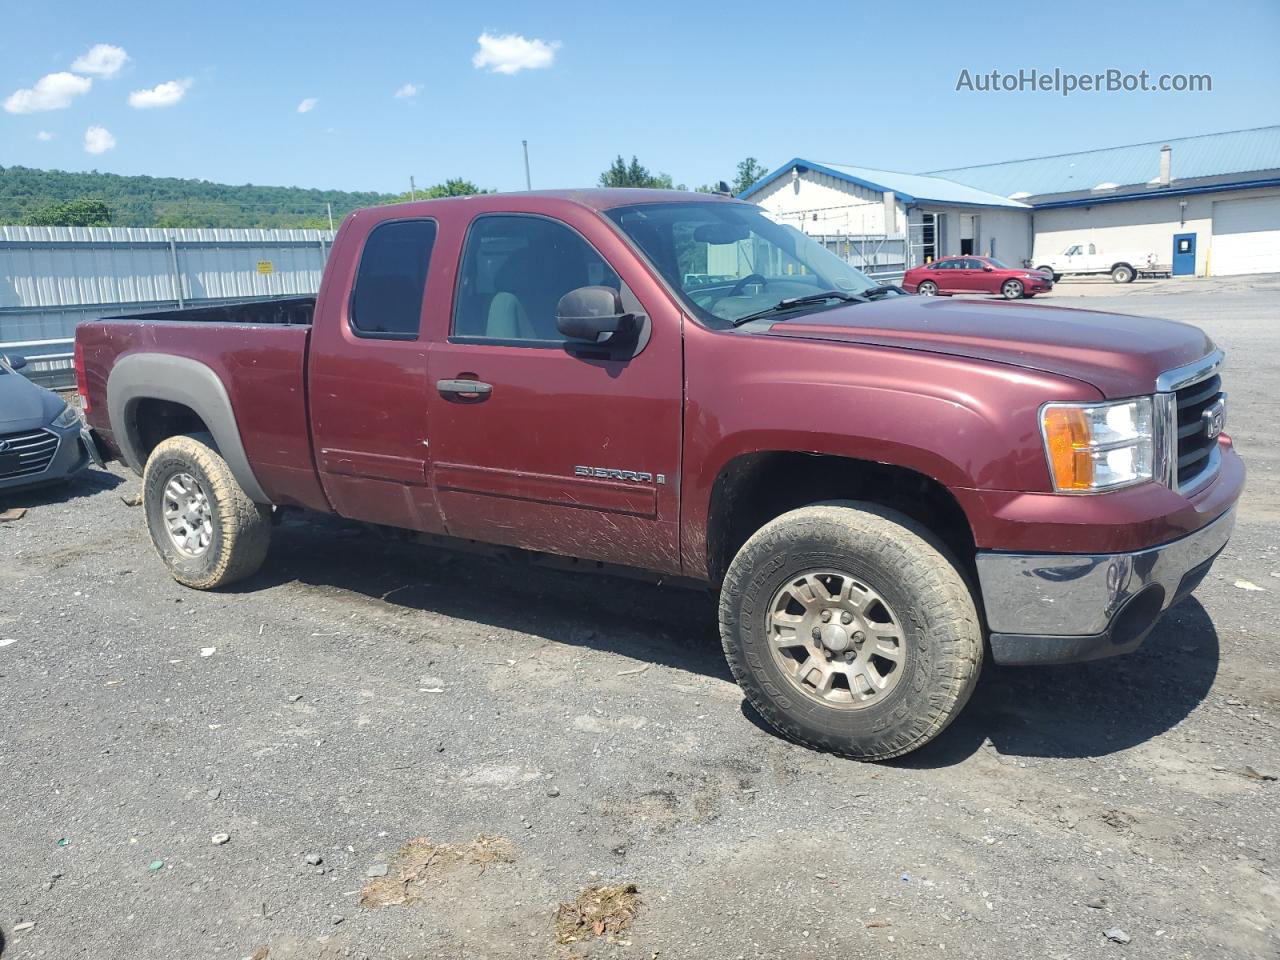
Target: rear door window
391,280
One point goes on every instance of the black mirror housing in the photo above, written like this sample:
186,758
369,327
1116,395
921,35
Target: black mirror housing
594,315
15,361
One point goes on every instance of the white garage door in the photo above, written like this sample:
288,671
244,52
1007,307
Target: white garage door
1246,236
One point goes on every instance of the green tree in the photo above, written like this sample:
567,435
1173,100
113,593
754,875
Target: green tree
634,174
81,212
453,187
749,171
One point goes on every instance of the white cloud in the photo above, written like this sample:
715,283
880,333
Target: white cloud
307,105
407,91
102,60
162,95
511,53
98,140
44,136
52,92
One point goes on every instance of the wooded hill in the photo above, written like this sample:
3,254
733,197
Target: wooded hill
31,196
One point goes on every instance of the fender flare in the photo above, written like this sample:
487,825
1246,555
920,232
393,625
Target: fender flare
161,376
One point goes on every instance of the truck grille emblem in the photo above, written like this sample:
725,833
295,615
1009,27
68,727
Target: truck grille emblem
1214,418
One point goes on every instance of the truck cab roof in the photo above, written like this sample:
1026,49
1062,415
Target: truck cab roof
592,198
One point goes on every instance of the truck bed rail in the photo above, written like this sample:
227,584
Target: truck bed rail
285,311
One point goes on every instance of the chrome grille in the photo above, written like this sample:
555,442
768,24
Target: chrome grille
35,450
1195,448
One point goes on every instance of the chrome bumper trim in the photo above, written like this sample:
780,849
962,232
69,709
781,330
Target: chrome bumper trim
1079,594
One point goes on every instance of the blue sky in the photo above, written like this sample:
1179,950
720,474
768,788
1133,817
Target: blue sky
689,87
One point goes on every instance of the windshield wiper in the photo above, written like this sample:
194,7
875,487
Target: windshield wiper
882,290
782,306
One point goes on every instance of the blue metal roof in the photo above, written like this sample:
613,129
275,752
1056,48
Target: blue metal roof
1211,155
909,187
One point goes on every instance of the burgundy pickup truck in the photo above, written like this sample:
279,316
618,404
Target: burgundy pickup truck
884,488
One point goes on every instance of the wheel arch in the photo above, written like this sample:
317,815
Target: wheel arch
152,396
754,488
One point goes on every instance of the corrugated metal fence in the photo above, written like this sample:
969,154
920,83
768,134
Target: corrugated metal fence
52,278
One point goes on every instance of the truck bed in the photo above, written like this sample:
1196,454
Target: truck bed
257,350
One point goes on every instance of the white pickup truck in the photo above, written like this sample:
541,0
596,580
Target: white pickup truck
1087,258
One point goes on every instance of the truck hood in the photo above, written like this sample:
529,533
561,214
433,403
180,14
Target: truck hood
1119,354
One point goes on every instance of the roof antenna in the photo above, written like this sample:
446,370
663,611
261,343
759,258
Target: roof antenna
722,190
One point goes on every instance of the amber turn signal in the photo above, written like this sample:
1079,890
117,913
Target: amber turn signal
1067,439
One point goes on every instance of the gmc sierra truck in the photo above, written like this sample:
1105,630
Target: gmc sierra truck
885,489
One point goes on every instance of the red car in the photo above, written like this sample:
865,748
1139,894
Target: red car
975,275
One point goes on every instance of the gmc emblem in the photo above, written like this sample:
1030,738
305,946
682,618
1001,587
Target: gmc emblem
1214,417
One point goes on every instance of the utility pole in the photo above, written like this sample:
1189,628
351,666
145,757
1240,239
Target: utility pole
413,190
329,207
528,184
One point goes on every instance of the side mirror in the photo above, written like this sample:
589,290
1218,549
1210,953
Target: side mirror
14,361
594,315
987,267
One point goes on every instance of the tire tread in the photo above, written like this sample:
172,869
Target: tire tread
929,573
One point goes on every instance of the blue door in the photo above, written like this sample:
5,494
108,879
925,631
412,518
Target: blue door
1184,254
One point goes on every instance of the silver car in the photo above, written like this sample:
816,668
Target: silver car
42,438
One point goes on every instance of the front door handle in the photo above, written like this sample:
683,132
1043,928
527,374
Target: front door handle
467,391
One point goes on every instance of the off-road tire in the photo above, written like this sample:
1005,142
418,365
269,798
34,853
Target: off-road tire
241,528
906,564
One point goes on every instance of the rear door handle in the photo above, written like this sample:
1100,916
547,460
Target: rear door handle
471,391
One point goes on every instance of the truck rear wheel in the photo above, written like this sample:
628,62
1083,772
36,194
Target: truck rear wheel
1123,273
205,528
850,630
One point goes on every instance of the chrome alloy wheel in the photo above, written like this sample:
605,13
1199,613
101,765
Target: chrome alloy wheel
188,515
836,639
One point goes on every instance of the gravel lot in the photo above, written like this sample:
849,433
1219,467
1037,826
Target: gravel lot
357,695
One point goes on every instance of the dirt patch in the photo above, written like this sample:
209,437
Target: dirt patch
604,911
420,859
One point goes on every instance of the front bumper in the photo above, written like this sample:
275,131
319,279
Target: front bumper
74,452
1059,608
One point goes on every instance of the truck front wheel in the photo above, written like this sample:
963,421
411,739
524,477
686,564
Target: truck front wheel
205,528
850,629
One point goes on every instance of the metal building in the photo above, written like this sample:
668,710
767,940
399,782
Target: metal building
1205,206
52,278
885,222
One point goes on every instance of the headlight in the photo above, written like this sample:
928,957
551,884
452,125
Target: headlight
1098,446
69,417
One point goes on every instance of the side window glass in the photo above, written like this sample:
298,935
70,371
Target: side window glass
1092,249
1072,251
514,271
391,279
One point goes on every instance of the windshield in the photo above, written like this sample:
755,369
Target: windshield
728,260
997,264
